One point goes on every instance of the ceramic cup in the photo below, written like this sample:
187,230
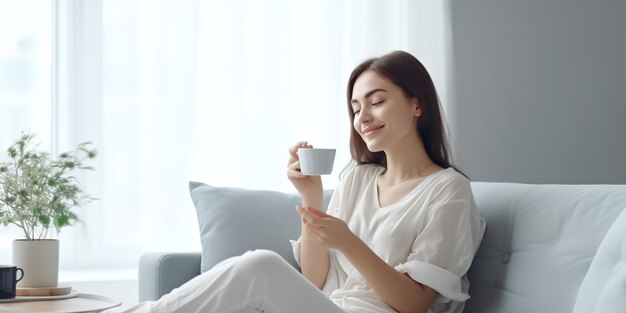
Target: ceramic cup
316,161
8,280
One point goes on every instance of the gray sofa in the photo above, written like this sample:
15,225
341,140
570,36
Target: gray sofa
538,246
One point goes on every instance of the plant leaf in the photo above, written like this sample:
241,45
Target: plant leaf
44,220
61,221
37,190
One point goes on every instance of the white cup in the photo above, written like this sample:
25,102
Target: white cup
315,161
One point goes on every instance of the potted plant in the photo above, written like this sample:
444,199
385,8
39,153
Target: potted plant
38,192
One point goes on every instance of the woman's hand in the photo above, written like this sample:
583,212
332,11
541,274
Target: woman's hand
309,187
325,230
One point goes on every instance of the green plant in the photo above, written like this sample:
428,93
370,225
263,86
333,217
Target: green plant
37,191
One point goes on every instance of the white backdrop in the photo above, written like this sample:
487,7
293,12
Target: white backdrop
213,91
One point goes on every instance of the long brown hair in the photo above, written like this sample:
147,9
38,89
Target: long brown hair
404,70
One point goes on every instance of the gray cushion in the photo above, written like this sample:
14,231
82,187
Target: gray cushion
234,220
538,245
604,288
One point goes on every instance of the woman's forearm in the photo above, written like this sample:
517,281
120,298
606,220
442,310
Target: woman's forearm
396,289
314,260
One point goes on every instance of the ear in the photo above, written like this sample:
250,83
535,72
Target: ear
418,107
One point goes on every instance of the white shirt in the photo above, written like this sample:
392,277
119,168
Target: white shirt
431,233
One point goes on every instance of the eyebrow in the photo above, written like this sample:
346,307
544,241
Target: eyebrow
368,94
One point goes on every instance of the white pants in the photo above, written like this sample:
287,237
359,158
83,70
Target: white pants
257,281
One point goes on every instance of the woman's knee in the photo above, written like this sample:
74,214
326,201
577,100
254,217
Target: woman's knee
261,260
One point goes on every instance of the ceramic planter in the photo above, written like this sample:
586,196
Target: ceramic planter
40,261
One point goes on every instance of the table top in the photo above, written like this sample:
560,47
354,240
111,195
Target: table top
82,303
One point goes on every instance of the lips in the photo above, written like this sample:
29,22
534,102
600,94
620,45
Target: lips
371,129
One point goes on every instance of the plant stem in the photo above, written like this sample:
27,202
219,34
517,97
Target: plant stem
21,183
21,227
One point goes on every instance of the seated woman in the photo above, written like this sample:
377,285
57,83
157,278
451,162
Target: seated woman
401,229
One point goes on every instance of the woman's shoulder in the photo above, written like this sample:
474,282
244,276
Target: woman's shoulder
449,180
450,174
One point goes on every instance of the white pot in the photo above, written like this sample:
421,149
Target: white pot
40,261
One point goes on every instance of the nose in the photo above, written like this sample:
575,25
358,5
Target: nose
364,116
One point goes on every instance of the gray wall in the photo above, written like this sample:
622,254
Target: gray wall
539,90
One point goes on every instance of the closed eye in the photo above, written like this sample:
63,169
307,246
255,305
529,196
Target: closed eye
355,112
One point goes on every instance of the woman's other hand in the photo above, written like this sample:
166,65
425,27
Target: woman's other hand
309,187
325,230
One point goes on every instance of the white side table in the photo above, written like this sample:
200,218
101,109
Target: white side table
82,303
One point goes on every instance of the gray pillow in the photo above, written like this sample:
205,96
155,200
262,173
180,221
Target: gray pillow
234,220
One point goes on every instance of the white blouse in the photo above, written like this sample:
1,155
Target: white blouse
432,234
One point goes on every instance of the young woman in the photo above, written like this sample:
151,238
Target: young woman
401,229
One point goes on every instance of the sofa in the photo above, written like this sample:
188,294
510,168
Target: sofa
546,248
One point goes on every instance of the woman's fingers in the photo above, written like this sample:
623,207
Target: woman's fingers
317,234
294,166
314,226
300,144
313,219
293,170
316,212
306,215
295,174
293,151
303,213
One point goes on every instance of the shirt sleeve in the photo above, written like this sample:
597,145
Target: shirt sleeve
444,248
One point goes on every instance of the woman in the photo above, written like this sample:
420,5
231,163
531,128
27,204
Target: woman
401,229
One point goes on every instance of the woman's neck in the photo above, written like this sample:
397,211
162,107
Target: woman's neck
407,160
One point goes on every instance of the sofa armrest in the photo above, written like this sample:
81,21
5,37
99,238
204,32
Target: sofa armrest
161,272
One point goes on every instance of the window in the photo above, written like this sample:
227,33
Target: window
173,91
25,82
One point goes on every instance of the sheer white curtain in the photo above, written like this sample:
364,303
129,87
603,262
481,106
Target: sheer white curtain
25,76
212,91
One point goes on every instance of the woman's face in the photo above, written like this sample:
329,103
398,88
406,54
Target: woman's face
383,115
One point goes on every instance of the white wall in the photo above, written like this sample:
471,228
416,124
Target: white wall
539,90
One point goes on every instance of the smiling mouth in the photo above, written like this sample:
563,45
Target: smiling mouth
371,131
